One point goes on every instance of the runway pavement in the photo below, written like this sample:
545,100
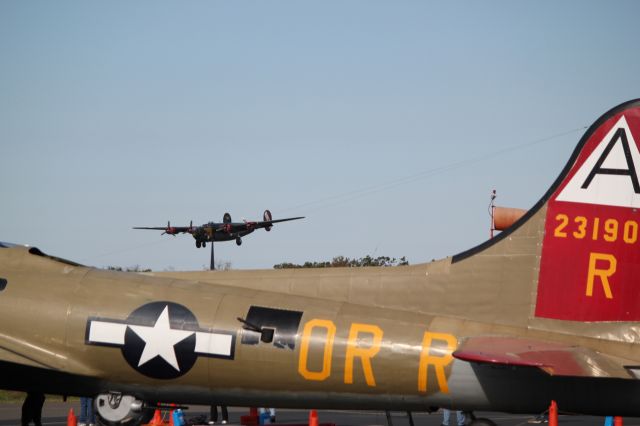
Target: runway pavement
55,414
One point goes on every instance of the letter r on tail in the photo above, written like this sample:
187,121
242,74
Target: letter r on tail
604,274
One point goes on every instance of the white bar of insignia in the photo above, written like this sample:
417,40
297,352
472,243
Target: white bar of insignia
107,332
213,343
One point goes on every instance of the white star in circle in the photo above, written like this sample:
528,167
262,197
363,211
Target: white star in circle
160,339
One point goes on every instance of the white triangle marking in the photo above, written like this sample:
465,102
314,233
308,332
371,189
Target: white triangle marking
606,189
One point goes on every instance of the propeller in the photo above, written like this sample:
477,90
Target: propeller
169,230
267,217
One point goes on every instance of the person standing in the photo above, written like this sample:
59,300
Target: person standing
460,417
87,416
214,414
272,413
32,409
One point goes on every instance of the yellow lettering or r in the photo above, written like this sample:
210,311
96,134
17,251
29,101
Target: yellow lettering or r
365,354
330,328
439,357
604,274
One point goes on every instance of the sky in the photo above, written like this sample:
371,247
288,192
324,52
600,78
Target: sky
385,123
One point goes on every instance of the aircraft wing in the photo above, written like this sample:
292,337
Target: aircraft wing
244,226
173,229
269,223
556,359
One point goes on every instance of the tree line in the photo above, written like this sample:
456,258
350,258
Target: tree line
336,262
346,262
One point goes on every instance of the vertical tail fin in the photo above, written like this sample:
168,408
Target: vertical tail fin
591,248
588,227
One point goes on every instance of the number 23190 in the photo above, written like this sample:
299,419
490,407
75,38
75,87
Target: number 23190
580,227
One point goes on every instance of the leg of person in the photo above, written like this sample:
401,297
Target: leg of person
37,409
445,417
82,415
460,418
213,414
25,418
225,414
91,415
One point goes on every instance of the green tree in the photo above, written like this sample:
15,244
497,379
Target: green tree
345,262
134,268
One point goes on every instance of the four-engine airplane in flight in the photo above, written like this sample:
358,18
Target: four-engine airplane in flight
225,231
547,310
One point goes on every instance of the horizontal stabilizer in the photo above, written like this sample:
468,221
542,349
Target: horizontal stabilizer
555,359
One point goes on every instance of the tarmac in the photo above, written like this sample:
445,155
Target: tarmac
55,414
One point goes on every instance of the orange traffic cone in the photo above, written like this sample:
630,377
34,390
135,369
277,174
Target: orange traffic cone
157,419
617,421
313,418
71,418
553,414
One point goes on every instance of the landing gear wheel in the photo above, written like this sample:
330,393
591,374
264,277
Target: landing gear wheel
238,241
482,422
114,409
198,244
204,244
